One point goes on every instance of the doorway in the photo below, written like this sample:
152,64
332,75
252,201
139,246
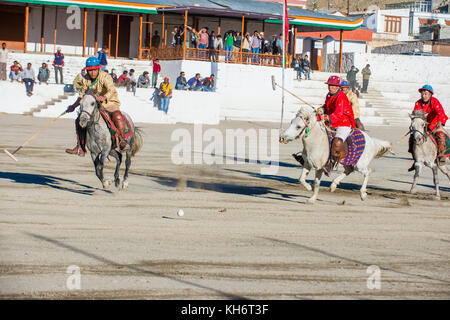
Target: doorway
109,34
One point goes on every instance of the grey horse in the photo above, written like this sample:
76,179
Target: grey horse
99,143
424,151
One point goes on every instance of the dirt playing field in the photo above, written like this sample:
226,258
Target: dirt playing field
243,234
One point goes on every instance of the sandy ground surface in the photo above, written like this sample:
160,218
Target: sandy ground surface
243,235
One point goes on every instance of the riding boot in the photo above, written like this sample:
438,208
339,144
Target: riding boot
80,148
337,154
410,150
440,140
119,122
299,158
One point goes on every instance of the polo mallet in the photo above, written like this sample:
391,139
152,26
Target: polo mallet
11,154
274,85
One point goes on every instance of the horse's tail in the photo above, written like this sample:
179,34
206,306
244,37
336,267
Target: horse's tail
381,147
138,141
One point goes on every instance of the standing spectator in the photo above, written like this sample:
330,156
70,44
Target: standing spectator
306,66
132,83
351,77
366,75
229,41
209,84
16,69
43,74
237,42
279,44
3,60
204,37
261,36
102,58
296,65
246,43
144,80
166,93
195,83
156,39
156,71
255,45
211,44
123,80
218,46
28,77
273,45
58,63
174,33
181,82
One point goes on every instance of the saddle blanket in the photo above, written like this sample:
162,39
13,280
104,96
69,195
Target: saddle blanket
112,128
354,146
447,143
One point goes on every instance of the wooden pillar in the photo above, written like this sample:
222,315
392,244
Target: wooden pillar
264,28
242,35
151,32
109,35
96,33
165,38
84,32
25,39
341,43
42,28
54,31
140,37
218,29
117,36
163,32
146,30
184,34
295,40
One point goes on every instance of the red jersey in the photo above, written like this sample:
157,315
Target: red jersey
340,110
122,78
433,111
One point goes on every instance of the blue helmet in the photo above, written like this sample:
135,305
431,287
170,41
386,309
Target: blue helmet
345,84
92,63
427,87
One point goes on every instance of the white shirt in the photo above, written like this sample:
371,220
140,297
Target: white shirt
3,55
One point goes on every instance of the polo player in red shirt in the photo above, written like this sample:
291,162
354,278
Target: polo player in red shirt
436,119
337,113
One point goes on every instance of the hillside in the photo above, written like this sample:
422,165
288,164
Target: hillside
358,5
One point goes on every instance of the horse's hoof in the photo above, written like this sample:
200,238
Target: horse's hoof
437,197
307,186
333,187
117,183
413,191
106,184
125,185
311,201
363,196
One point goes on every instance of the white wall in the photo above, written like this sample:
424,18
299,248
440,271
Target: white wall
390,67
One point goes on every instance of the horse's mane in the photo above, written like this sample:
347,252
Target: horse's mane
419,114
305,110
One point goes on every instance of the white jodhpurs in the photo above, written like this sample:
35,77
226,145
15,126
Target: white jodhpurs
343,132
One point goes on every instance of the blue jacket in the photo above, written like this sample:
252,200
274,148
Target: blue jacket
102,58
194,82
59,60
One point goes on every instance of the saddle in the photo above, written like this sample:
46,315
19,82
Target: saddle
447,142
113,130
354,146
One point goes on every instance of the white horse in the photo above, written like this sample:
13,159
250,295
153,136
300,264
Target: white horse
316,151
424,152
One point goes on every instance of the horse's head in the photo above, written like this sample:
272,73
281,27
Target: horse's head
418,126
88,108
305,118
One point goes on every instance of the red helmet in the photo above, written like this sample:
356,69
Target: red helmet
334,81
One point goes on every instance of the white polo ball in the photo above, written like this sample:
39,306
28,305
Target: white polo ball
180,212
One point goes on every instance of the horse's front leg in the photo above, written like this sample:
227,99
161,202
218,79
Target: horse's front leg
303,176
99,162
338,179
418,166
317,178
365,172
127,167
436,181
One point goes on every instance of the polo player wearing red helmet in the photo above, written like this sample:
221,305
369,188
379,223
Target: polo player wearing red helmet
337,113
102,84
436,119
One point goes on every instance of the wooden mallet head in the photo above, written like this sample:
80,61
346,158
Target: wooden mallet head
273,82
10,155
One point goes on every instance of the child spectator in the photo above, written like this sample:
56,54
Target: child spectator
43,74
156,71
58,63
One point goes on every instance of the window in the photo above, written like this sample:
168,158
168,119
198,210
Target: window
393,24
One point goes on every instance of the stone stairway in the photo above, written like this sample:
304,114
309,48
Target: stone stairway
48,103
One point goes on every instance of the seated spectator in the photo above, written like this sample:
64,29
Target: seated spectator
209,84
144,80
28,78
181,82
123,80
166,93
16,69
44,74
114,75
132,83
195,83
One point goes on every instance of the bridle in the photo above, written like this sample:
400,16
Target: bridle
91,114
413,130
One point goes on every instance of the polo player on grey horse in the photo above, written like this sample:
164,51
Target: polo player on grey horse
102,84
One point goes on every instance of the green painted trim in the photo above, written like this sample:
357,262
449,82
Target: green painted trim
316,24
82,5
